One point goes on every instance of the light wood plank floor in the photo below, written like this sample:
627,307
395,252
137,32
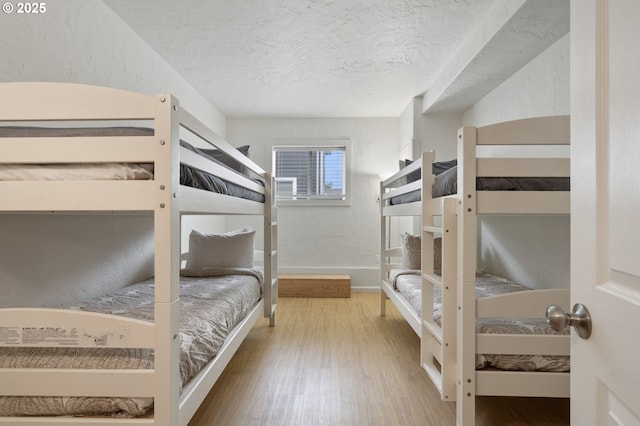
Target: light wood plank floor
337,362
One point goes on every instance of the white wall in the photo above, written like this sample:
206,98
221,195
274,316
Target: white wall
540,88
81,41
409,136
532,250
439,133
331,239
428,132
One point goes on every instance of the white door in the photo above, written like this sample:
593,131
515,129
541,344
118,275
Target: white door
605,210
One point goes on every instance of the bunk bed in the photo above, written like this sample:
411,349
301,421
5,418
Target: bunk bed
165,169
400,267
483,335
460,314
400,187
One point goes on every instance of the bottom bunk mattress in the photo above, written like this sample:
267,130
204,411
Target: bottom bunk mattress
213,302
408,283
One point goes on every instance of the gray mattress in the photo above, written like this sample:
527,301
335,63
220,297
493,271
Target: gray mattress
212,303
446,183
188,176
408,283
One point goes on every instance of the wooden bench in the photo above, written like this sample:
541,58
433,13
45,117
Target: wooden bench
308,285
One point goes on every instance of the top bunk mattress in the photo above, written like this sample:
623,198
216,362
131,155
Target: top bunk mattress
189,176
446,183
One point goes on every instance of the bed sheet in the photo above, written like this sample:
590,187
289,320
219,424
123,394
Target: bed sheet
212,303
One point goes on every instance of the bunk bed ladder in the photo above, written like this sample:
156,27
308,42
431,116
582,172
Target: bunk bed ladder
438,344
270,252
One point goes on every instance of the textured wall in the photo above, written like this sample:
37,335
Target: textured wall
539,88
83,41
331,239
56,259
439,133
533,250
46,259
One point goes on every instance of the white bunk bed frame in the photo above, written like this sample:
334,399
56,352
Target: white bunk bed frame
165,199
448,352
389,188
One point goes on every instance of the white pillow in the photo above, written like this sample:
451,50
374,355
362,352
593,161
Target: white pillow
232,249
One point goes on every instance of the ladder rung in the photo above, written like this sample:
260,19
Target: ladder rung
434,374
433,229
434,329
433,279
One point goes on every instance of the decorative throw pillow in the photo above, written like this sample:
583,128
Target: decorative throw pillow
220,156
437,256
411,250
413,176
442,166
231,249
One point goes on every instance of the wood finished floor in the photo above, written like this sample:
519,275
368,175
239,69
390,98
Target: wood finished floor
337,362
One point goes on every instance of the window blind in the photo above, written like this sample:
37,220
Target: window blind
309,173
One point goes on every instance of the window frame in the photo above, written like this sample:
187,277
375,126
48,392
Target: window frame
310,144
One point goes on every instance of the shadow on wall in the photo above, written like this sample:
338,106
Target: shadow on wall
533,250
48,260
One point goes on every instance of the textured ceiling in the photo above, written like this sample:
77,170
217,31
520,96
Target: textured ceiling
313,58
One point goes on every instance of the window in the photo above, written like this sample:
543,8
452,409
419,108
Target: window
311,175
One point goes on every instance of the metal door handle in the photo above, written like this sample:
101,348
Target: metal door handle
579,318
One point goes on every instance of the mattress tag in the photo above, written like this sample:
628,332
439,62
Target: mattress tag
60,336
39,336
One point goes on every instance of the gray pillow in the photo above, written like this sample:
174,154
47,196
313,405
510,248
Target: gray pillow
228,250
411,251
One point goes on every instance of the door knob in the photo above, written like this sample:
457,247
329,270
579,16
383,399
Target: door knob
579,318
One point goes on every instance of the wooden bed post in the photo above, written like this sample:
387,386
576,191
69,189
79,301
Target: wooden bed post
166,222
466,281
383,248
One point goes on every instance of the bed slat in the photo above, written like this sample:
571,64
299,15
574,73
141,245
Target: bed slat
523,167
31,101
194,125
523,202
42,327
40,196
413,186
65,382
553,130
132,149
522,304
196,201
192,159
522,383
531,344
